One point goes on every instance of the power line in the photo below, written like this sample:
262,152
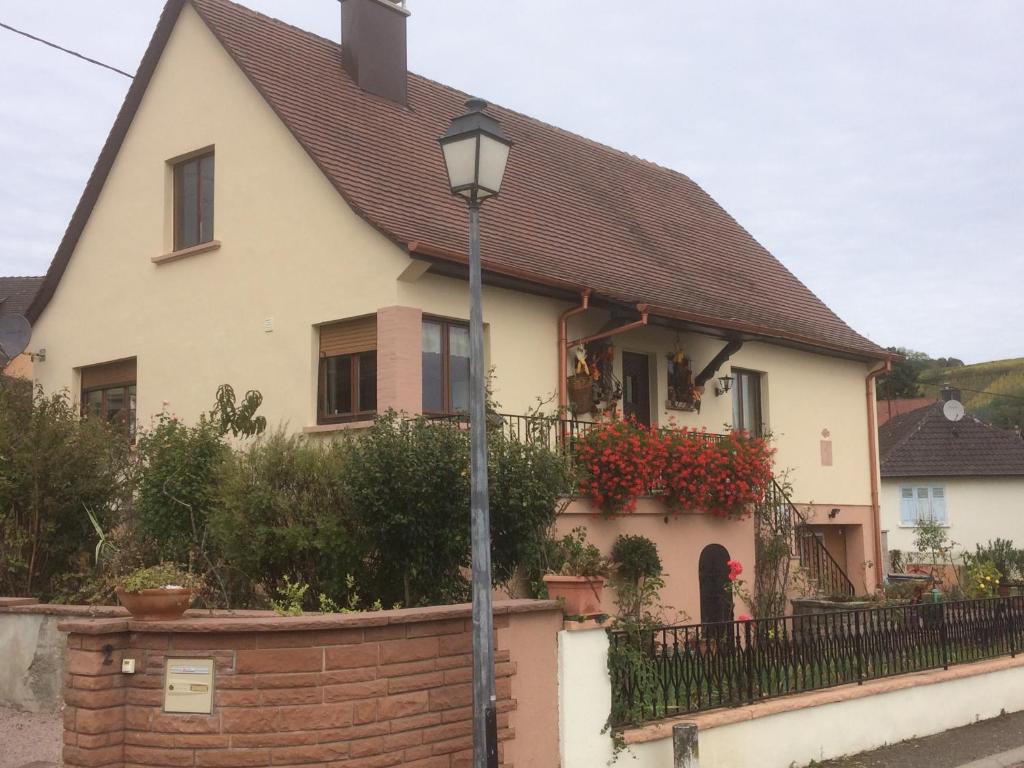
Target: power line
66,50
973,391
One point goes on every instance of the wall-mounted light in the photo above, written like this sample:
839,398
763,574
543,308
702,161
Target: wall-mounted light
723,384
833,513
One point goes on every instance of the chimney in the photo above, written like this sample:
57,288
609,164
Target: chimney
950,393
373,47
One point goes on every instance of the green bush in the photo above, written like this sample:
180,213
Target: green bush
407,491
281,514
53,467
636,557
526,484
179,469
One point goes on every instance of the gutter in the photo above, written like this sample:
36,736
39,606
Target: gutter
876,511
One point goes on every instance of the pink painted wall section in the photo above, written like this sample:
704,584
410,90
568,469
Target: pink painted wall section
399,359
532,641
679,538
851,529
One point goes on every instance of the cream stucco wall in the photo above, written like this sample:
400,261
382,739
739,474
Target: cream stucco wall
293,253
978,508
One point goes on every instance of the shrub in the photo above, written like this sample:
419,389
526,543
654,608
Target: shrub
406,485
179,469
526,483
281,514
636,557
53,467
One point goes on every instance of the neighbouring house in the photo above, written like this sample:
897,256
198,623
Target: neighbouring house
16,294
275,208
966,475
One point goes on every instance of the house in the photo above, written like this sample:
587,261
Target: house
966,474
276,212
16,294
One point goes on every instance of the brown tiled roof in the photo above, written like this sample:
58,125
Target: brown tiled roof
16,293
889,409
573,213
924,443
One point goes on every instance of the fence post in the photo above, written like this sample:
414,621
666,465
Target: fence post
685,753
942,634
749,653
858,647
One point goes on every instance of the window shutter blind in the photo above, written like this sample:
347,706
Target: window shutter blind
348,337
109,374
939,506
908,508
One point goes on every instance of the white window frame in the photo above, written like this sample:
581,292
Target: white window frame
920,502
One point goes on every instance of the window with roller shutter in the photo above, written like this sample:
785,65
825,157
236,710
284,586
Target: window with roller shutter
109,392
348,371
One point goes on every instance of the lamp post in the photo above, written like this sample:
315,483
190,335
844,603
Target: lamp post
475,153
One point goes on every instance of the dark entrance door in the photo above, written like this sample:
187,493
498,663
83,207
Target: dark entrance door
636,387
715,600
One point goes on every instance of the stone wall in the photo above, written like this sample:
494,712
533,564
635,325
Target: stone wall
355,690
33,649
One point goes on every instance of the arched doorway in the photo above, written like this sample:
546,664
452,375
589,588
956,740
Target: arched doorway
715,599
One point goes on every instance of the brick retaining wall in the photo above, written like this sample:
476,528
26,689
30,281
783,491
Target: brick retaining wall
356,690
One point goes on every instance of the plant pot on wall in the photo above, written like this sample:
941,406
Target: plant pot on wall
581,393
156,604
579,595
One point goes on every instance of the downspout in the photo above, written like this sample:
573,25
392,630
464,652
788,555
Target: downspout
876,511
563,349
641,308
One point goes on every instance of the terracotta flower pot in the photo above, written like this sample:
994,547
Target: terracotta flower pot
156,604
1003,589
579,595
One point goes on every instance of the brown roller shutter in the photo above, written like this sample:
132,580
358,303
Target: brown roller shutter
349,336
109,374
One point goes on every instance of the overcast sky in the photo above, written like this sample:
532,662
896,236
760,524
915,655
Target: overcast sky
876,148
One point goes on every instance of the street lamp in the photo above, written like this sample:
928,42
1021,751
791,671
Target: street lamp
475,153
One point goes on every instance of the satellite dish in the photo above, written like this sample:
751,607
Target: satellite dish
953,410
15,334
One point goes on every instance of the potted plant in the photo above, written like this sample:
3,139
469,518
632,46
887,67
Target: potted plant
577,576
159,593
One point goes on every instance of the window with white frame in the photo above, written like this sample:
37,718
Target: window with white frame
920,503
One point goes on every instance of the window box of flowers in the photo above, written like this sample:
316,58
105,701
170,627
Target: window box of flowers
160,593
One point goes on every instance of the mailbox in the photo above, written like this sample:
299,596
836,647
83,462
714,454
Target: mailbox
188,686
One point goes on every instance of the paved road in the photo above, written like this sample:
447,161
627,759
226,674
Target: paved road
988,743
29,740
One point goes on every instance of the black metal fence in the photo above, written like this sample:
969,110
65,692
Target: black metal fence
549,431
684,669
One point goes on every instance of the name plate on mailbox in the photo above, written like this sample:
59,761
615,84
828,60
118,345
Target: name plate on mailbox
188,686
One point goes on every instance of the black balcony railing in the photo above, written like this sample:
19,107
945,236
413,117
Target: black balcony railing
552,432
690,668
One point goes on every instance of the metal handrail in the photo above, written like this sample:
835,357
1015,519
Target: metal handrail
779,513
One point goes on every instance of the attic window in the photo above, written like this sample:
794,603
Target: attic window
193,201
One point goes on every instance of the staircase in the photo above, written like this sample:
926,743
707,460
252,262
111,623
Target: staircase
777,517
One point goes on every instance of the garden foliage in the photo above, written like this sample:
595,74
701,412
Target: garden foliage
53,467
